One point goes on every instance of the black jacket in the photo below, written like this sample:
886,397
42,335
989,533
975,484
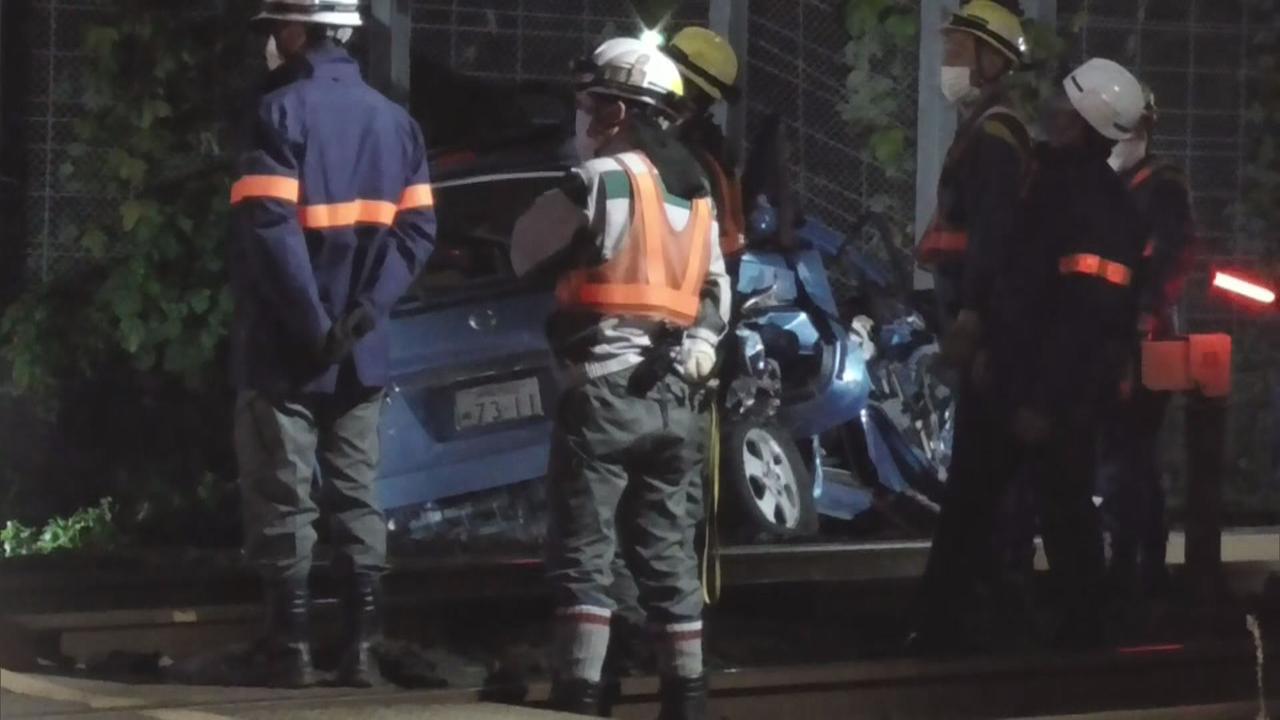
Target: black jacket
1064,327
980,194
1163,198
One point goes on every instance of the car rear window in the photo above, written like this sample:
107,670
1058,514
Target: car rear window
476,218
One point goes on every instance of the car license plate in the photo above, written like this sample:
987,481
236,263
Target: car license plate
497,403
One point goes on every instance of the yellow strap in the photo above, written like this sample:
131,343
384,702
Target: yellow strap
711,578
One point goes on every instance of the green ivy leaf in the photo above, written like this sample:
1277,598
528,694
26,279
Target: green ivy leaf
101,40
904,27
889,146
130,213
95,241
200,301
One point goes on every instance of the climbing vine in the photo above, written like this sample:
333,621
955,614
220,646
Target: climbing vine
122,346
148,164
881,55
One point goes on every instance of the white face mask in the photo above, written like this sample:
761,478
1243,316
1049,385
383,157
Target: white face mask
956,87
273,54
1128,153
582,140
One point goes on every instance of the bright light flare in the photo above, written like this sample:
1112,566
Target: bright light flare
652,38
1244,288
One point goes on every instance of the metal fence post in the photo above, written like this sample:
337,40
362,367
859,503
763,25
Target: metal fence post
1206,461
390,34
935,121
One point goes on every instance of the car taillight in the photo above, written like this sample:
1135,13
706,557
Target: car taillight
1244,288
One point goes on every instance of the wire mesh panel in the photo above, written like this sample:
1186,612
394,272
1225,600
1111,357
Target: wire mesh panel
54,30
1195,54
798,68
526,39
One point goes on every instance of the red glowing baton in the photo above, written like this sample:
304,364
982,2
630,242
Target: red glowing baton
1244,288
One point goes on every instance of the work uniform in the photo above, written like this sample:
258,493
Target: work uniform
332,212
979,215
1068,308
1130,479
984,179
639,268
705,141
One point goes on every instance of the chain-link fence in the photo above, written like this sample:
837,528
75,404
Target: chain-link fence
54,68
1197,57
798,62
517,40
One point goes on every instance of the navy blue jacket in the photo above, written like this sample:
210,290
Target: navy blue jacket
332,210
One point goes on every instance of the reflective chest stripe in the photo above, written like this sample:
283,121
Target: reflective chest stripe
1096,266
941,243
331,215
657,272
1141,177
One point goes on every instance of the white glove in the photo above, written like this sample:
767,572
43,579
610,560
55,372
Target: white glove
697,359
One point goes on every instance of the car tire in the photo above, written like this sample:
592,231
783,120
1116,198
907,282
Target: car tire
766,487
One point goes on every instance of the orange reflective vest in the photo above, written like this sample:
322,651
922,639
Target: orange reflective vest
657,272
728,197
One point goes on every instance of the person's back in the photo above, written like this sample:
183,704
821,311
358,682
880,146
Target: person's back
332,219
641,304
591,343
355,161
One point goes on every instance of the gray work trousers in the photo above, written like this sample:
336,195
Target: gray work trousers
624,460
279,444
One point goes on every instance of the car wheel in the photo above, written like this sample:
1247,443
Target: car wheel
766,486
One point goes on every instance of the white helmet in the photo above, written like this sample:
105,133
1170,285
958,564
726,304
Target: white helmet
633,69
333,13
1108,96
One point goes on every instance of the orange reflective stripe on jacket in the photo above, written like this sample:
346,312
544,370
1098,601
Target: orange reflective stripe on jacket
275,187
1096,266
347,214
1142,176
657,272
941,243
729,213
331,215
417,197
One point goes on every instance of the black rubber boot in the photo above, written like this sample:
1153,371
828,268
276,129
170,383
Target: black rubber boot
683,699
362,626
576,697
282,658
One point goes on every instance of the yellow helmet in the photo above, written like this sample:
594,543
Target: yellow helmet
995,24
706,60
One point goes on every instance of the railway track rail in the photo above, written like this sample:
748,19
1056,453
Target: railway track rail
86,610
1212,681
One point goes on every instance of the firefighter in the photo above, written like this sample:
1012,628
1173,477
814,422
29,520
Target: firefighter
642,303
1068,308
980,196
986,168
1130,478
709,67
332,216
